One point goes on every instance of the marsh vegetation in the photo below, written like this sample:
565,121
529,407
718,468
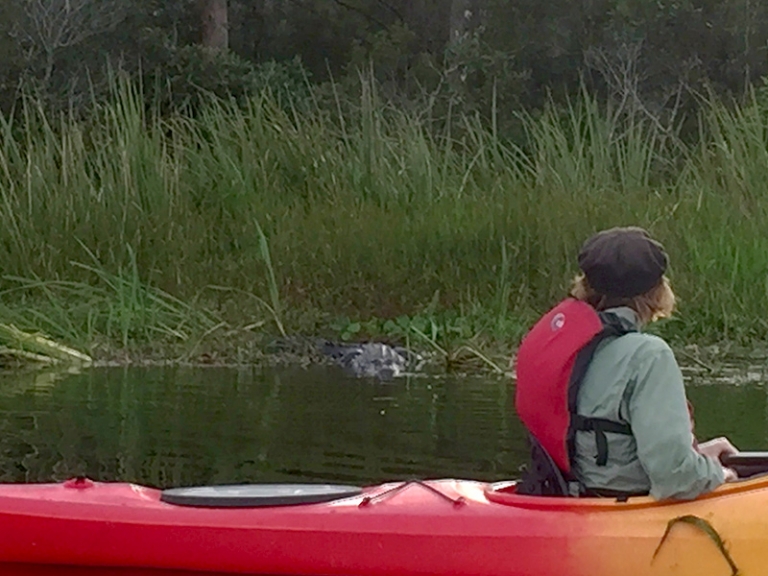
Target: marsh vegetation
212,231
209,180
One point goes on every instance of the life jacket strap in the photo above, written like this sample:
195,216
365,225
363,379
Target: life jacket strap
543,477
600,426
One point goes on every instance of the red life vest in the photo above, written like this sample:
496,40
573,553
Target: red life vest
551,364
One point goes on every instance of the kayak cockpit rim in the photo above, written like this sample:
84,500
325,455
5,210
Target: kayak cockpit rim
505,493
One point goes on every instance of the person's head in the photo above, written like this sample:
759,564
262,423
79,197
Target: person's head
625,267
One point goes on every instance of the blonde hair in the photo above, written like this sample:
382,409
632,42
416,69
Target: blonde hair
656,303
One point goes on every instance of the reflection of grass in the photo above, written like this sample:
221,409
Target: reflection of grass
705,527
38,380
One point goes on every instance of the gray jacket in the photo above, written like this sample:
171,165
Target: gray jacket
636,379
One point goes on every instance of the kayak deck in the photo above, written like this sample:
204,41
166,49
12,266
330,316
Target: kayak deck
451,527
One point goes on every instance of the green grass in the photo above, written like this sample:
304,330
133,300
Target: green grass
132,230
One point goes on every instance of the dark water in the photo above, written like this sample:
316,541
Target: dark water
183,426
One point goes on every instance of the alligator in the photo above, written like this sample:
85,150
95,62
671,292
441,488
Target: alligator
373,359
363,360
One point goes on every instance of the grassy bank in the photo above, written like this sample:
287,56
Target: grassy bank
215,232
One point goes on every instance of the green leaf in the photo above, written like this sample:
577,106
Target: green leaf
419,323
340,324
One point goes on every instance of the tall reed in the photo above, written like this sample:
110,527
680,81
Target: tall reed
368,210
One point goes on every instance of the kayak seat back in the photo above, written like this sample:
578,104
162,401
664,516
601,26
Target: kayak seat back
257,495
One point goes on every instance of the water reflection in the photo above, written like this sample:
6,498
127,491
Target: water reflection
182,426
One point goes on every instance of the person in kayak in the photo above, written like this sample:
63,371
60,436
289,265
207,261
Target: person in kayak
605,403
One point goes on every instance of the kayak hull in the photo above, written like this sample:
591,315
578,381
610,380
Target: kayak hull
450,527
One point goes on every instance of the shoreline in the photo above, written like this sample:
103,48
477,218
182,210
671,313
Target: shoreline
270,350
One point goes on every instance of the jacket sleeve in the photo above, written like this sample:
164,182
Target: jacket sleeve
661,426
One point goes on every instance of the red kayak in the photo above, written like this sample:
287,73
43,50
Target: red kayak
442,527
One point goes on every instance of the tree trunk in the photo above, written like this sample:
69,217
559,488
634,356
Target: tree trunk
215,24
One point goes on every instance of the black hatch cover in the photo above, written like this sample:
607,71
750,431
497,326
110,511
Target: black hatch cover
256,495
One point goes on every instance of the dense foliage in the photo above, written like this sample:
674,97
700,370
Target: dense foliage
651,56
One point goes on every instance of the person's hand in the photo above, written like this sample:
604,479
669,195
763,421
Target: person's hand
717,448
730,475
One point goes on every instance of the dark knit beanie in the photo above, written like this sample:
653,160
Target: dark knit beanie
622,262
